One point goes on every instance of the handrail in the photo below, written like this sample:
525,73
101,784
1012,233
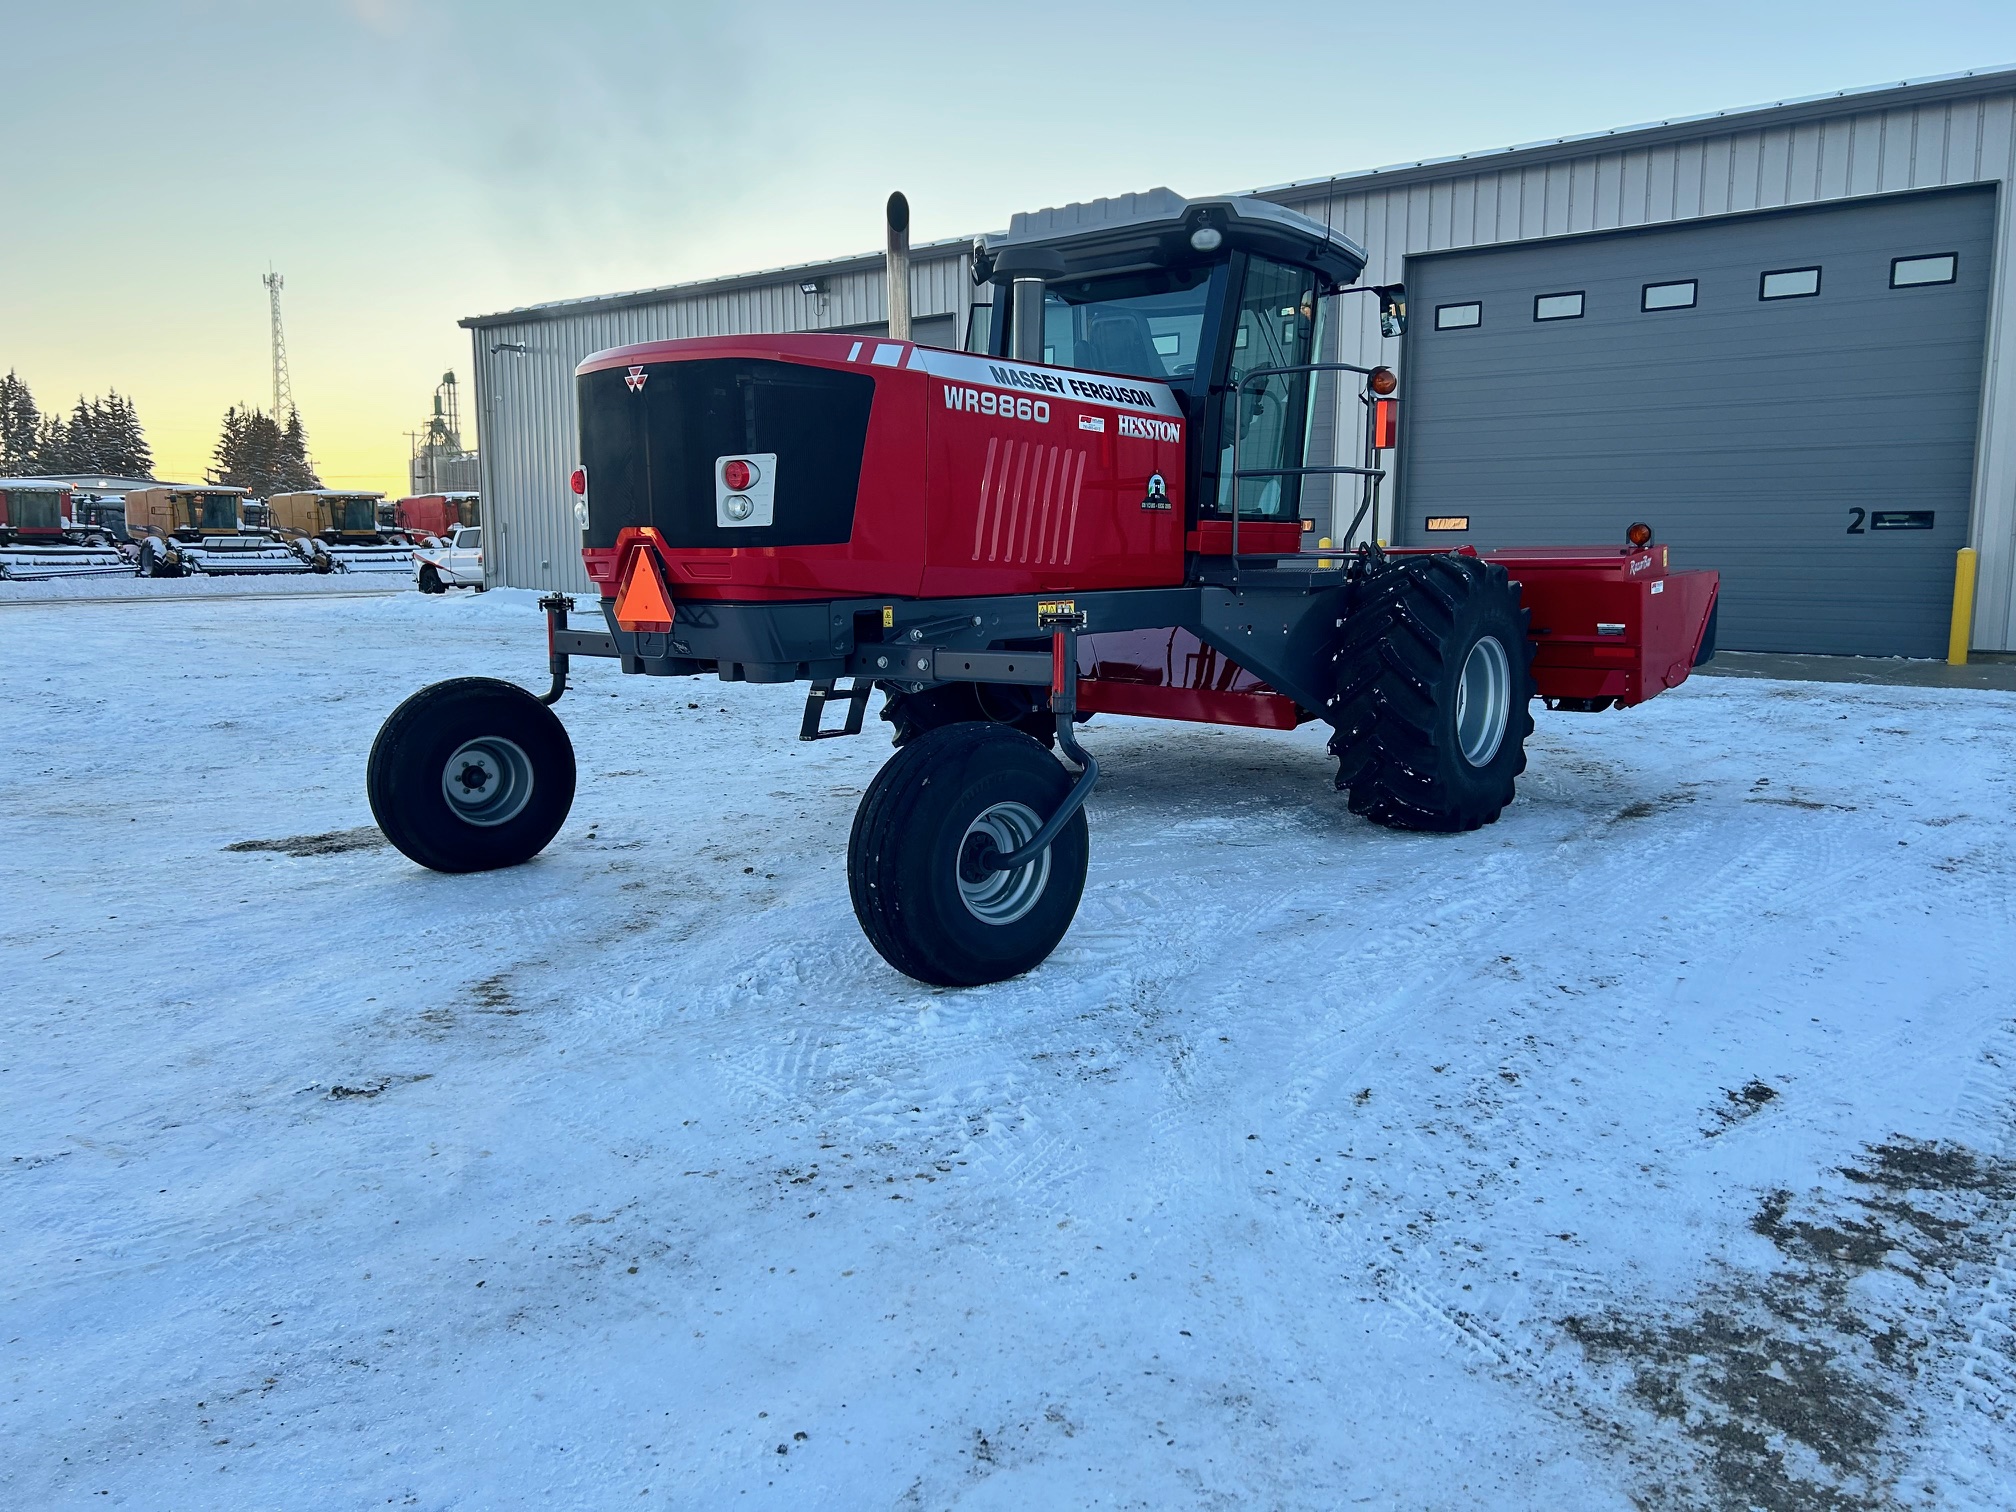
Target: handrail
1238,387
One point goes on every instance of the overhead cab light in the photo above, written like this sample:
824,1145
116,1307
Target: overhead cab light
1207,239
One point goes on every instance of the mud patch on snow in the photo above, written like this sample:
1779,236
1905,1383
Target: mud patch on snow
333,843
1648,808
1740,1105
493,995
369,1089
1788,1389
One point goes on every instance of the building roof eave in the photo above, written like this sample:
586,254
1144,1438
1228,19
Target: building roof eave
1972,82
866,262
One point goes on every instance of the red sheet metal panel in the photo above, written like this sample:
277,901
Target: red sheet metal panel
1610,623
1256,537
1171,674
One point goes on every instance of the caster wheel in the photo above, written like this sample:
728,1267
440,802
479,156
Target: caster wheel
941,808
470,775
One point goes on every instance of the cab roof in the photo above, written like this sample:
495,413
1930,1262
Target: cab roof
1154,229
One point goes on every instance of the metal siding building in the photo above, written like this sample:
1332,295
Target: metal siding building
1930,134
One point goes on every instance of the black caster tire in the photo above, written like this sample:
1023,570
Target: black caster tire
1434,693
941,803
430,581
471,774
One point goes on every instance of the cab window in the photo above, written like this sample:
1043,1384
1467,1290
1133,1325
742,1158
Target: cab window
1144,325
1274,326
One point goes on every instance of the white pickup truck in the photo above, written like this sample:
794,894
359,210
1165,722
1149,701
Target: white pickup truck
454,563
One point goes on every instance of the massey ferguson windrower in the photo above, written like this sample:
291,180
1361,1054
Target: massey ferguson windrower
1101,513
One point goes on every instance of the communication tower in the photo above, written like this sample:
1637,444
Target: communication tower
283,386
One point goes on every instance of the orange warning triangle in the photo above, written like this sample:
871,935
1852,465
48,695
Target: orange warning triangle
641,603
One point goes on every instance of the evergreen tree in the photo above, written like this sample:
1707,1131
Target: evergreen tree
255,453
124,445
20,427
52,447
84,437
301,474
101,436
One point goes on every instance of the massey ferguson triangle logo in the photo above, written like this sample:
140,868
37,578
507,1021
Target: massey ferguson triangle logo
634,380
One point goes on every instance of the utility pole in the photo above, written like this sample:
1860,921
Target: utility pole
283,387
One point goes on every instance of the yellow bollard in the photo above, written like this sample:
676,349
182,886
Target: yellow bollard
1963,608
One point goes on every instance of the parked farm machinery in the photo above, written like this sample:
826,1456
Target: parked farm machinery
202,528
40,538
341,531
1102,513
438,515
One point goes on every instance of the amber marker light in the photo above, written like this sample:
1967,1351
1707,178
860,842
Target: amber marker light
1639,535
1382,381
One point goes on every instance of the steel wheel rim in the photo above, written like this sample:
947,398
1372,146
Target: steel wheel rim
1001,897
487,781
1483,701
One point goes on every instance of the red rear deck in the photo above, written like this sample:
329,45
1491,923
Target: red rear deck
1606,623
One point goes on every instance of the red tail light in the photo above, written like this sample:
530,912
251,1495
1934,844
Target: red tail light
579,481
737,474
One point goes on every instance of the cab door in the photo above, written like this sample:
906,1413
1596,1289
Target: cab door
1270,324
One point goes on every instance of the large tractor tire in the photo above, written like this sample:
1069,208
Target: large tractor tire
916,860
158,560
913,714
470,775
1434,682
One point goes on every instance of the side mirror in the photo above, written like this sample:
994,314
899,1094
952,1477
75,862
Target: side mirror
1392,309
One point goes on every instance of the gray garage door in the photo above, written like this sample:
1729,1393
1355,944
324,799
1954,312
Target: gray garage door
1790,397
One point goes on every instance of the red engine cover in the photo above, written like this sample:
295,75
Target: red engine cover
980,476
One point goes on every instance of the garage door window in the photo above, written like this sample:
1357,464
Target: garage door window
1789,283
1911,272
1668,296
1558,306
1458,317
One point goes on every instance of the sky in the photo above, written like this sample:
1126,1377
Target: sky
404,163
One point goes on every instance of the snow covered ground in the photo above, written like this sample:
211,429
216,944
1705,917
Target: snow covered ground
125,587
1654,1147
